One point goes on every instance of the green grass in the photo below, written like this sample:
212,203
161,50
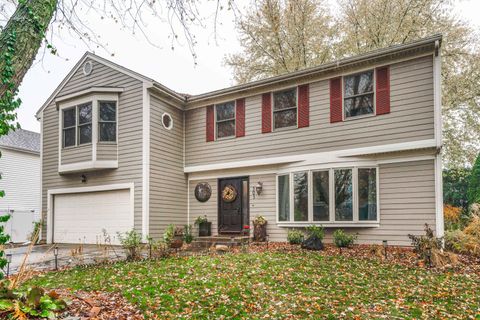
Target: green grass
282,285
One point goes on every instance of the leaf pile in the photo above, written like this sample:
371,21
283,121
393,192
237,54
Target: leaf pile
287,284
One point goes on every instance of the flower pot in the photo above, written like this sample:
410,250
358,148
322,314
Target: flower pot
260,232
205,229
177,242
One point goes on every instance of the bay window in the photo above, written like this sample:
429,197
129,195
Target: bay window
340,196
77,132
107,121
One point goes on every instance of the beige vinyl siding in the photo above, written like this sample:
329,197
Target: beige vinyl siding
106,151
129,138
168,184
407,202
411,119
77,154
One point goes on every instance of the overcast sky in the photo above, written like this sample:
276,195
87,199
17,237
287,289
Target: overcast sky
173,68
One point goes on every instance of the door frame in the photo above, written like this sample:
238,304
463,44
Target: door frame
111,187
245,217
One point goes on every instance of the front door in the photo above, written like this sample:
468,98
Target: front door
232,204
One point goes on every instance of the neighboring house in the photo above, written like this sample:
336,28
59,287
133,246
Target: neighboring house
20,180
352,144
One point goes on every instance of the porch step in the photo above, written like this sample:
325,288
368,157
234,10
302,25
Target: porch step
207,242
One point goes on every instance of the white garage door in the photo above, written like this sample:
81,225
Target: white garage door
81,217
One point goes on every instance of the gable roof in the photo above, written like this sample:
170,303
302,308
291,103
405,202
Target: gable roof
21,140
432,42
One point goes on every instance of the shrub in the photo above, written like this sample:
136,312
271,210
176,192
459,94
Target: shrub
473,192
131,241
342,239
473,227
169,233
453,217
187,234
316,231
424,244
159,249
455,186
28,303
295,236
4,238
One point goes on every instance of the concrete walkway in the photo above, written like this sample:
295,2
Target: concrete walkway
42,256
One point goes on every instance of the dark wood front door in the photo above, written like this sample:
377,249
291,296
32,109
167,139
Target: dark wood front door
232,204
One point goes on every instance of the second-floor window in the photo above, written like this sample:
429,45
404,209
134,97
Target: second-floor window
285,108
225,119
77,132
107,121
358,94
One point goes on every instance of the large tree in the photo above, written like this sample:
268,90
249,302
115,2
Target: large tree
26,24
280,36
364,25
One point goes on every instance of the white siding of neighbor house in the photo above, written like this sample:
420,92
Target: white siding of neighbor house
20,179
129,138
407,202
168,184
411,119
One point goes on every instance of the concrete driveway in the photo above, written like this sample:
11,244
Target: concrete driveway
42,256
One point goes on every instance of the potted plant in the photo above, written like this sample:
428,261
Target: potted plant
204,226
260,229
177,241
246,230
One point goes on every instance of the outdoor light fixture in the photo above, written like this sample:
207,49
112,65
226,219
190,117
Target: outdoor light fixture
257,189
385,245
84,178
9,260
55,253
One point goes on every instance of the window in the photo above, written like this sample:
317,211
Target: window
107,121
69,124
300,196
167,121
367,194
225,119
284,198
77,133
358,94
285,109
329,196
321,210
343,195
85,123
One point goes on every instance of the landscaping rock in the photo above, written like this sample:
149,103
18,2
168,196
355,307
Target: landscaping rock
313,243
221,248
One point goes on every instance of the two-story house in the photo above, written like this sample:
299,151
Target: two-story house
353,144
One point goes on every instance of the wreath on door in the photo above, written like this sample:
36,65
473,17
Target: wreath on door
229,193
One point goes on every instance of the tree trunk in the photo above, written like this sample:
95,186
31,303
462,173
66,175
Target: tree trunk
29,23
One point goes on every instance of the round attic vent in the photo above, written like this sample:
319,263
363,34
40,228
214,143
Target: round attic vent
87,68
167,121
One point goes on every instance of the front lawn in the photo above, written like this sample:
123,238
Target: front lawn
279,285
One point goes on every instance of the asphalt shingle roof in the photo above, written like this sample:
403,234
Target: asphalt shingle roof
22,140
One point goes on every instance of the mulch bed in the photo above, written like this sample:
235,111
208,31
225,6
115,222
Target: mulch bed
95,305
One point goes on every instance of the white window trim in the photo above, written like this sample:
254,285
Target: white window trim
234,118
332,222
99,121
272,111
93,98
344,117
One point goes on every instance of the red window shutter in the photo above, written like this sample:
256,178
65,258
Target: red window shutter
303,106
210,124
383,90
336,100
240,118
266,112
